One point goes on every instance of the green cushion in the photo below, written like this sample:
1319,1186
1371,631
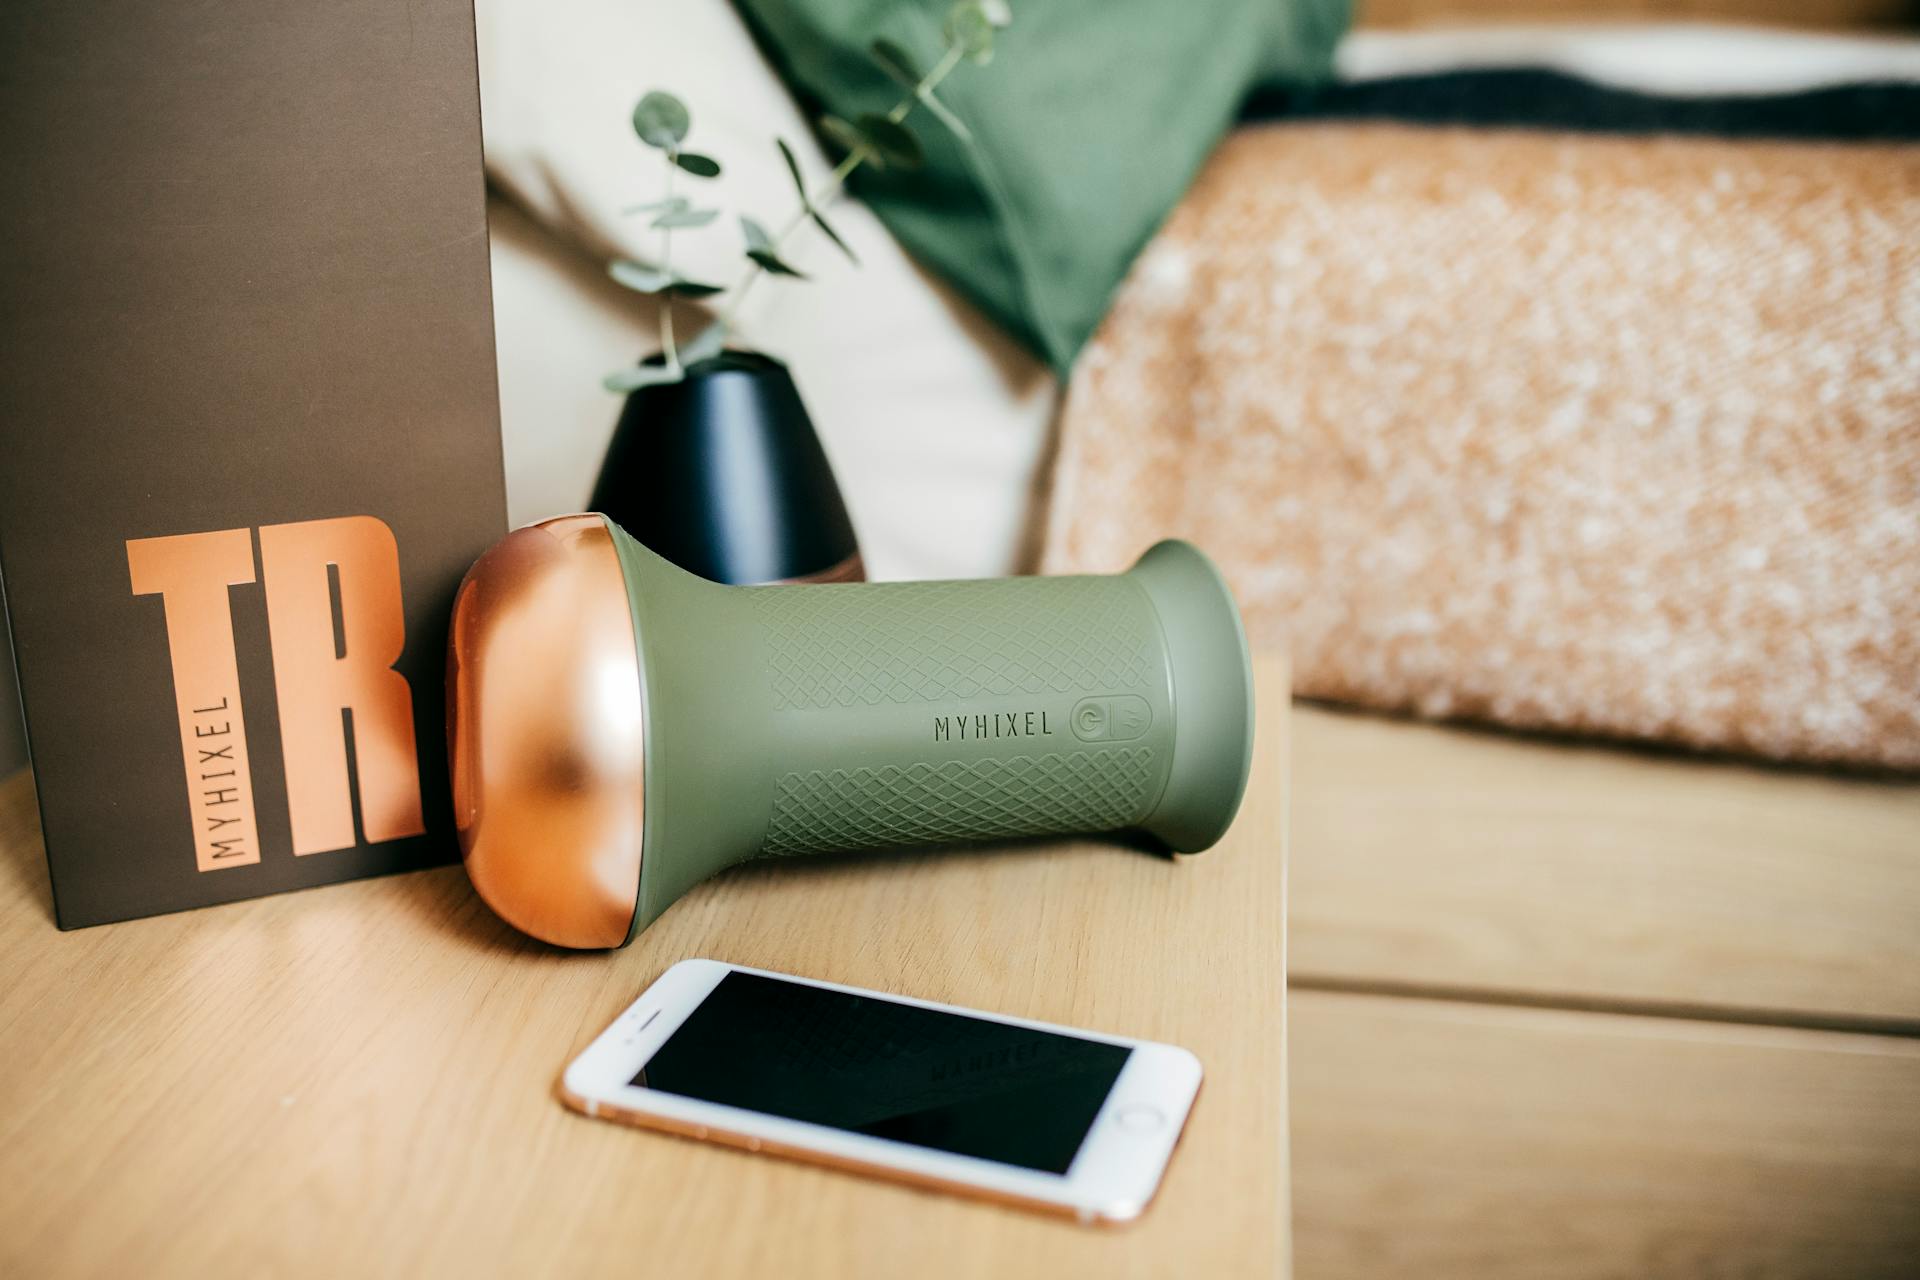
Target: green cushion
1088,125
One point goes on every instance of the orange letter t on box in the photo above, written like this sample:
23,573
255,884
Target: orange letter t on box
191,574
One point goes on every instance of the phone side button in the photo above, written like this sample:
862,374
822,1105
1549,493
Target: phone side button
1140,1118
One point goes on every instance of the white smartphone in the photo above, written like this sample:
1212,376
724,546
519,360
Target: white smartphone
1008,1109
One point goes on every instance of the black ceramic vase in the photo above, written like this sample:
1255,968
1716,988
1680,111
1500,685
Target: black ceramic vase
721,473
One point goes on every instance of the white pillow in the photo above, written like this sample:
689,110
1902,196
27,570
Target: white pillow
1671,59
936,423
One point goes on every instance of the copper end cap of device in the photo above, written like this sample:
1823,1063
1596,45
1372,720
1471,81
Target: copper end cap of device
546,733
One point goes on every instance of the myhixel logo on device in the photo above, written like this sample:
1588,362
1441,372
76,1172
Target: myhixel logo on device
992,724
1110,717
336,627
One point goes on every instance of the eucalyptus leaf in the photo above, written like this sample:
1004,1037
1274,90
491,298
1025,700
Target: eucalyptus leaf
757,237
847,136
896,62
661,120
660,206
638,276
641,278
826,229
793,167
892,141
705,345
772,262
970,30
681,287
675,218
696,164
632,378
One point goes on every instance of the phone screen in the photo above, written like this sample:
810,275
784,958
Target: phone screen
869,1065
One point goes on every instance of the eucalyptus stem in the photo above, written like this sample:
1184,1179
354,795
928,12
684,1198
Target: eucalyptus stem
928,83
835,181
667,344
662,122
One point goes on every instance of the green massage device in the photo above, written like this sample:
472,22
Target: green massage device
621,729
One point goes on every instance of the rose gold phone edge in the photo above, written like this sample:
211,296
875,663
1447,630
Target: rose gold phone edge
735,1140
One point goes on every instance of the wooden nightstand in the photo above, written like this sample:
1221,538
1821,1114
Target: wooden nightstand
358,1080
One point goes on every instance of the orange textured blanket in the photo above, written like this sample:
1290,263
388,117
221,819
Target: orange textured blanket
1604,435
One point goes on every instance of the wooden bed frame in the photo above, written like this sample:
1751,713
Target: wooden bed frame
1569,1010
1825,14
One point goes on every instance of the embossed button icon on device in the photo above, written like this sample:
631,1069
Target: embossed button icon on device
1118,717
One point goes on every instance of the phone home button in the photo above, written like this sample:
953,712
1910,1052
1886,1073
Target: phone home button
1140,1118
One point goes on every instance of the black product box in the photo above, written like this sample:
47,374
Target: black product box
249,434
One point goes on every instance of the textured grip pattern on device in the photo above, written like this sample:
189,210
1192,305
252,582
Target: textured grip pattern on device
853,646
827,809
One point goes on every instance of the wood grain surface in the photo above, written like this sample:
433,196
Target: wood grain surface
1438,1138
1507,866
358,1080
